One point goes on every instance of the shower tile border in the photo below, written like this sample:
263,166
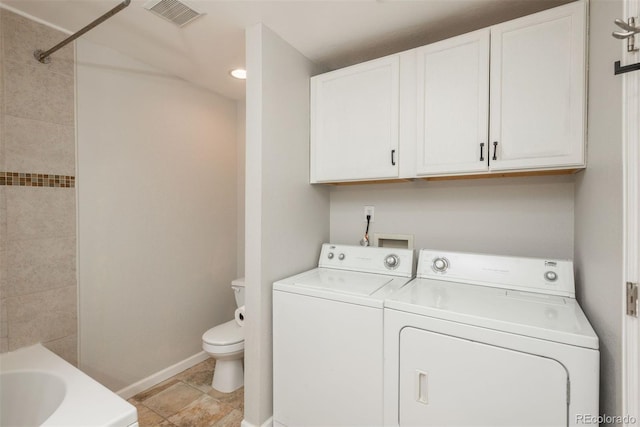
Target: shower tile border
37,180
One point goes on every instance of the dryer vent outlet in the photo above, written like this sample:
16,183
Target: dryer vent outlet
173,11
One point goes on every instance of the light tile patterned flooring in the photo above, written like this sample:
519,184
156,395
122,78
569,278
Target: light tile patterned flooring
187,400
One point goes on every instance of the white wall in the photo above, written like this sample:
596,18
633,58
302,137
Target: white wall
599,204
286,218
516,216
241,132
157,215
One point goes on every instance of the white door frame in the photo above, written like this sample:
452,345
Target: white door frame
631,149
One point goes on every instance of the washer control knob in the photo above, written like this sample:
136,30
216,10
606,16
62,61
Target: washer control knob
330,255
551,276
392,261
341,257
440,264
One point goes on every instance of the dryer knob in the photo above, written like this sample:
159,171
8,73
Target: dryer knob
551,276
341,257
440,265
392,261
330,255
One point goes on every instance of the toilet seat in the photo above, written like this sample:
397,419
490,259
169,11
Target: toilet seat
225,338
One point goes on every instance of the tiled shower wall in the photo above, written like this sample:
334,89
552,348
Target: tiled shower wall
38,285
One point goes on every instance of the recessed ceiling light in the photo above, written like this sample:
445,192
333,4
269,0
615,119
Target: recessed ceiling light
239,73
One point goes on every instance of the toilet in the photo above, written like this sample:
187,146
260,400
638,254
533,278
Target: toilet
225,343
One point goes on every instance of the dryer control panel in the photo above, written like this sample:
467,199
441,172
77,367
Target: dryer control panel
367,259
548,276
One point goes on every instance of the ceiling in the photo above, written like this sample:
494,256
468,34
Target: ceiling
333,33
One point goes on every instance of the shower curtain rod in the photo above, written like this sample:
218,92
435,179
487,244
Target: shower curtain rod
43,56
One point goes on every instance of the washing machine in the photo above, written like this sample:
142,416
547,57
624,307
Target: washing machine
484,340
328,336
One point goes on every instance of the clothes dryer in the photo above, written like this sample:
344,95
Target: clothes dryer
489,340
328,336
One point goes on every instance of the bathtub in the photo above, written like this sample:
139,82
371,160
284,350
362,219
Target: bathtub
38,388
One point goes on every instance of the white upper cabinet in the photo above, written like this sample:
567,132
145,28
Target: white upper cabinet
453,105
354,122
505,99
538,90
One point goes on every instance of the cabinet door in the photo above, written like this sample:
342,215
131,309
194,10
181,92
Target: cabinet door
354,122
453,105
450,381
538,90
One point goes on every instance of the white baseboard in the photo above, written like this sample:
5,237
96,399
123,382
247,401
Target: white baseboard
268,423
162,375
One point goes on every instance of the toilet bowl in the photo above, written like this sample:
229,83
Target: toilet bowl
225,343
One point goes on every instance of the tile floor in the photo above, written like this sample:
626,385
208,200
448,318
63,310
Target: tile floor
187,400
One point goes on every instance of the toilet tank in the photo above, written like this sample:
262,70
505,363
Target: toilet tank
238,291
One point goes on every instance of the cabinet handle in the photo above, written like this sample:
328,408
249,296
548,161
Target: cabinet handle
482,151
495,150
393,157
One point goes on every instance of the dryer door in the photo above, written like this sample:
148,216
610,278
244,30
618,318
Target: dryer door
450,381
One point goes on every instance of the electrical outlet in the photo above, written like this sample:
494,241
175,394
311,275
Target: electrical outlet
369,210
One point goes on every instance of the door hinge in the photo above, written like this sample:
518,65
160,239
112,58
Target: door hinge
632,299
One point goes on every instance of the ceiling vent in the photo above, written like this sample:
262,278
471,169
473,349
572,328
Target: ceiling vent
173,10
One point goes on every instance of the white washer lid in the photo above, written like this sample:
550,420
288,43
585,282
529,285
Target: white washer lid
346,282
225,334
353,287
548,317
238,282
